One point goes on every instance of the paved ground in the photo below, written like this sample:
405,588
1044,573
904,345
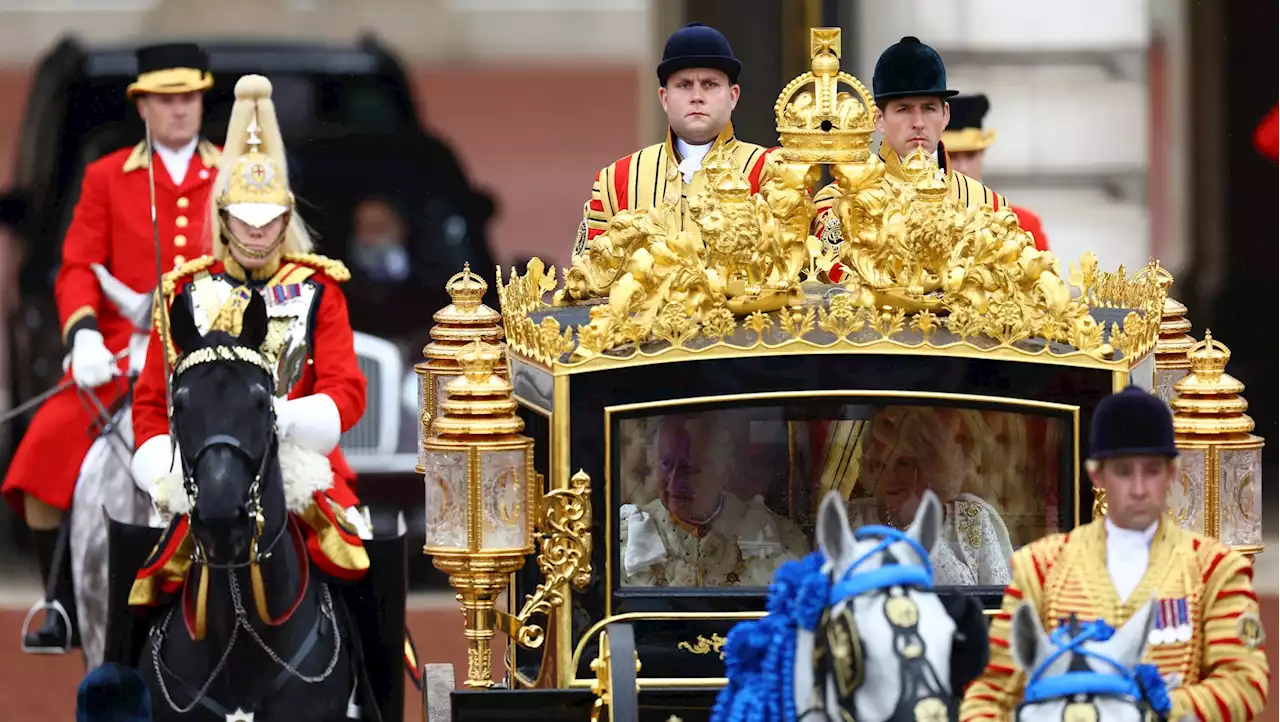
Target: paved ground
43,687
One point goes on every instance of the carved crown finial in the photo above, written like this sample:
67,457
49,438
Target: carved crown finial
478,360
1209,357
466,288
817,123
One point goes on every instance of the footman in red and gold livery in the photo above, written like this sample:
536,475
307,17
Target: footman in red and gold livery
1207,636
698,88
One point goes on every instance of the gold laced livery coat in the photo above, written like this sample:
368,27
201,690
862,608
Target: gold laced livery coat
1219,674
651,176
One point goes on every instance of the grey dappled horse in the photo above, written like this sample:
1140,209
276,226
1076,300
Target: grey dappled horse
105,485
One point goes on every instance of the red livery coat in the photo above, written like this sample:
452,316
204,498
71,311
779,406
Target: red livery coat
331,367
111,226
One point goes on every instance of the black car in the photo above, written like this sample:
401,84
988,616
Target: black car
347,104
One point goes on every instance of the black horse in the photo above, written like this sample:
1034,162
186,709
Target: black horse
281,646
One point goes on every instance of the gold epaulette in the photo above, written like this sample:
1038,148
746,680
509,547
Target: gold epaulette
331,267
195,265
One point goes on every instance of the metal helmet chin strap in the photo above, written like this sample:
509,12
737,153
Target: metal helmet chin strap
253,504
230,239
837,645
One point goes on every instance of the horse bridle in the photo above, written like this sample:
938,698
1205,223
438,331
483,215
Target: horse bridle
253,504
1080,685
838,648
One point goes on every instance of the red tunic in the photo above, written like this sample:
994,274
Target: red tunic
111,226
331,367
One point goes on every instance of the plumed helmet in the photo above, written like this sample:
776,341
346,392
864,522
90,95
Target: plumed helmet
1131,423
253,174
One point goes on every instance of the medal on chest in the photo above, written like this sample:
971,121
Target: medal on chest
1172,623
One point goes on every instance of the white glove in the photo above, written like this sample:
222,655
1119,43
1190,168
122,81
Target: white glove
92,365
311,422
152,461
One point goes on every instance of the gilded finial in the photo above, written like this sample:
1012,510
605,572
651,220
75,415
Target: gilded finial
466,288
255,141
478,360
920,169
1209,357
478,403
817,123
1207,402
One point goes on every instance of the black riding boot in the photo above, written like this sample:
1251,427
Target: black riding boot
53,634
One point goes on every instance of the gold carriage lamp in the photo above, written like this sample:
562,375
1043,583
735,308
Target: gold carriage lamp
480,490
1219,454
485,503
463,321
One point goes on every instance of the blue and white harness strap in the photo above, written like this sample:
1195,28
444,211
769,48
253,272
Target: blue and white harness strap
852,585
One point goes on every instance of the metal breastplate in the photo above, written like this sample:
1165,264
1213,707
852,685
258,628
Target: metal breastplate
289,314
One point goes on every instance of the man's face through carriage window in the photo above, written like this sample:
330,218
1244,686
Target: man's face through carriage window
690,489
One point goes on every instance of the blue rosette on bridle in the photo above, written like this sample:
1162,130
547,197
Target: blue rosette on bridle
760,654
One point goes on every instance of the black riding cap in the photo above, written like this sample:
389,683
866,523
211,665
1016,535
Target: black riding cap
1131,423
698,46
910,68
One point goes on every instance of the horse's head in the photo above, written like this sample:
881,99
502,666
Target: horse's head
224,425
1083,670
884,644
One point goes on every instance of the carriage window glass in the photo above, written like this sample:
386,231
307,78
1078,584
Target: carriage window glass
721,498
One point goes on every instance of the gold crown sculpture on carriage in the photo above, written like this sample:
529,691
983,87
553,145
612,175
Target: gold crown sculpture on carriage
938,304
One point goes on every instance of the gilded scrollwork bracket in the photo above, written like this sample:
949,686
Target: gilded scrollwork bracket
564,557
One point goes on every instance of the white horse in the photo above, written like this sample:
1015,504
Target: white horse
854,631
1086,670
105,485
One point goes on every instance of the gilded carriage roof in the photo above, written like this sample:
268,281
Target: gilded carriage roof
921,273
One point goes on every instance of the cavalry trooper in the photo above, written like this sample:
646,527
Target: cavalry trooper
967,141
698,89
1207,634
261,246
110,238
910,91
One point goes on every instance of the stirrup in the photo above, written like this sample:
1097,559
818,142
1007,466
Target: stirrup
49,606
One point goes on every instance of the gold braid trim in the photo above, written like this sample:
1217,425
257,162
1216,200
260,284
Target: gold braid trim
168,284
195,265
331,267
209,354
